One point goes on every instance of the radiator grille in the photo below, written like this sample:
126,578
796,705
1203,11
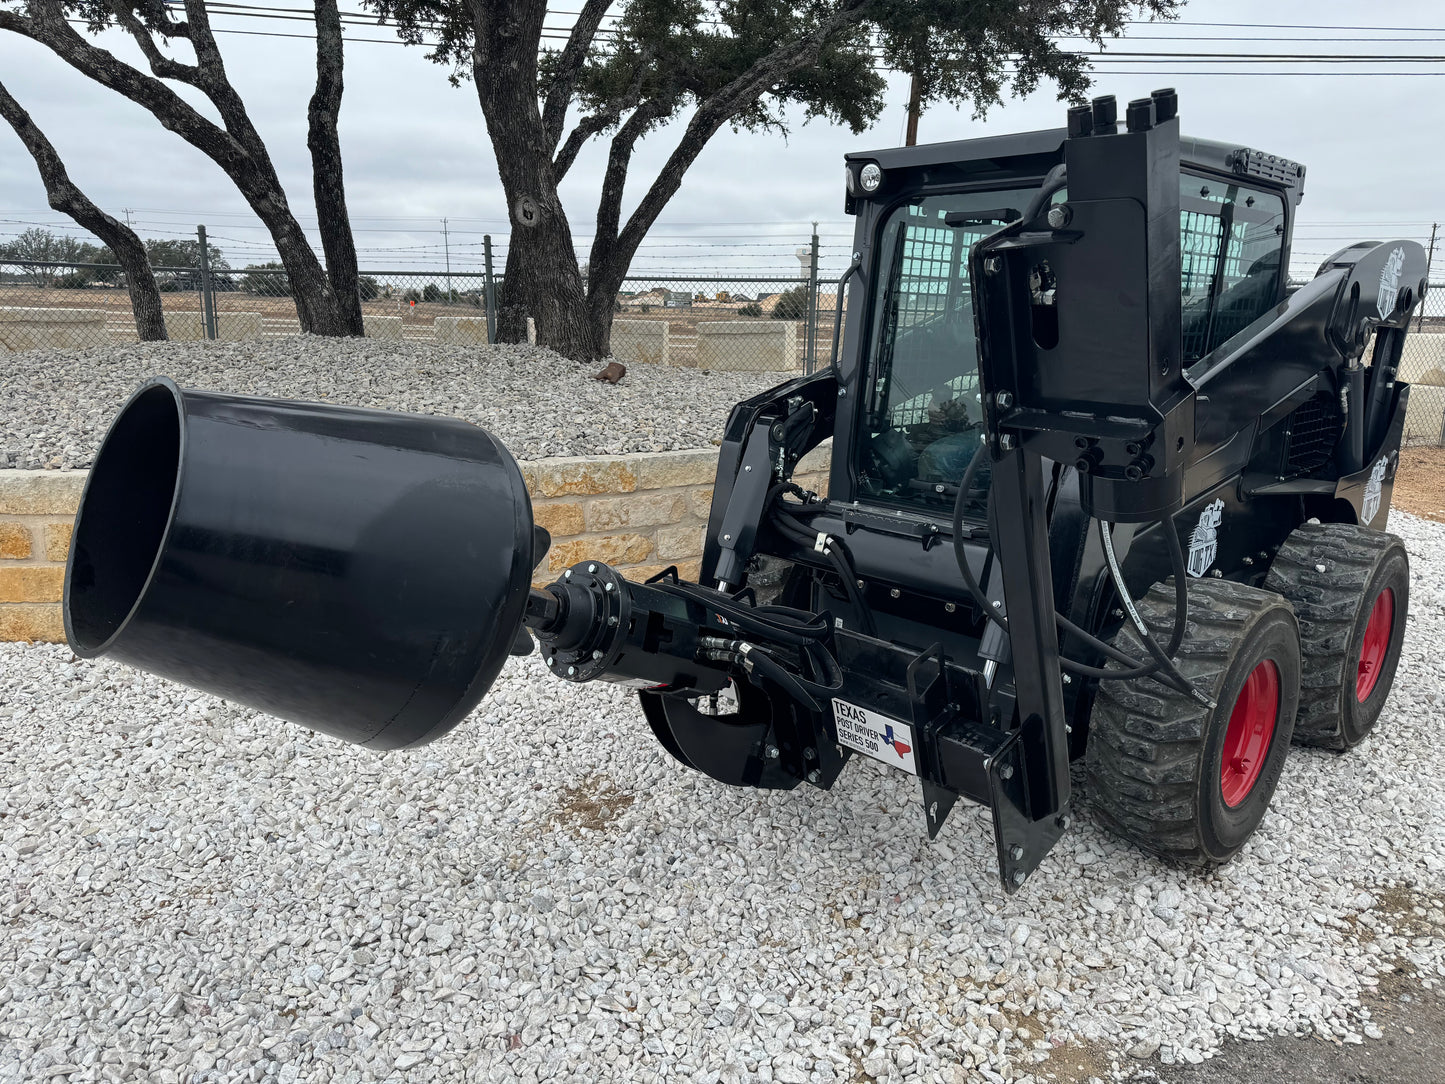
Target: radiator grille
1314,431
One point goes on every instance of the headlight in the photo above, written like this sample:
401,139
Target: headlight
870,177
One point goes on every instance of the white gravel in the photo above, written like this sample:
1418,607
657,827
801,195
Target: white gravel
55,404
194,891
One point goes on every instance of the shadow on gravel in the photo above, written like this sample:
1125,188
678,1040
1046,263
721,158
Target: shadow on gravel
1411,1018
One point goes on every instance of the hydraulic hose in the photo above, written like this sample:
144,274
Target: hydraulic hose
1133,668
833,550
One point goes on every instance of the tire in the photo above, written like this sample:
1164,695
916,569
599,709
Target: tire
1339,576
1169,773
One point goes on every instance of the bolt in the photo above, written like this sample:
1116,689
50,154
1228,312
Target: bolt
1068,679
1217,574
933,812
837,622
772,752
894,593
814,776
842,393
592,568
1018,877
571,670
810,754
1248,561
1004,399
612,621
727,538
1006,442
992,265
861,585
567,575
607,586
1016,853
1064,821
997,605
597,654
949,607
551,661
1117,612
1006,772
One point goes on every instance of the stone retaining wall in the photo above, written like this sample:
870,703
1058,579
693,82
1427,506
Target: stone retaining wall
382,327
639,513
640,340
230,326
768,345
36,329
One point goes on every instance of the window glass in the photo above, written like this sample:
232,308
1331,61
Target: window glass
923,418
1230,241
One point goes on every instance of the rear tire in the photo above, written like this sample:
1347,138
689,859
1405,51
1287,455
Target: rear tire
1183,780
1350,587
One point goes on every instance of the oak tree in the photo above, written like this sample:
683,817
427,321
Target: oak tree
628,68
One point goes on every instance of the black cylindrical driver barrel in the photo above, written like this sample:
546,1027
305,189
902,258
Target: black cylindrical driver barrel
361,572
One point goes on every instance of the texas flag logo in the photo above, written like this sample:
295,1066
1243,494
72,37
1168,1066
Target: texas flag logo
900,747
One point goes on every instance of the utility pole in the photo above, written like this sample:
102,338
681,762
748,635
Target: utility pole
1429,263
915,106
447,245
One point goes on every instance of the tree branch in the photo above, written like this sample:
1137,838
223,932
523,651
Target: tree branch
717,110
63,195
614,180
568,68
597,123
162,66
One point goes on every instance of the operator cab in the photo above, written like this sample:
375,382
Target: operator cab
921,210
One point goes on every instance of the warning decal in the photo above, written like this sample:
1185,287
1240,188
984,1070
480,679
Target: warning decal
877,735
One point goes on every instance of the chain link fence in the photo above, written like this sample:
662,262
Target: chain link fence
1422,365
743,323
746,324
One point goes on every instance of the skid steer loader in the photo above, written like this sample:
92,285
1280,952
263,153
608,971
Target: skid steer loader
1103,485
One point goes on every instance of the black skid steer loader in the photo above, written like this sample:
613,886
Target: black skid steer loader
1103,485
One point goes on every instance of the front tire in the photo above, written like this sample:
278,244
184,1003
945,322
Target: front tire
1181,779
1351,588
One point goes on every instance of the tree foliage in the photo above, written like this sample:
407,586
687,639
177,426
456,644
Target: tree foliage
697,66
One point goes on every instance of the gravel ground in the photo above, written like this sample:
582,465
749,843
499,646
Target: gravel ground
55,404
194,891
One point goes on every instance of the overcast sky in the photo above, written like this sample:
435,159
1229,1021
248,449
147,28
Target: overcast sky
416,151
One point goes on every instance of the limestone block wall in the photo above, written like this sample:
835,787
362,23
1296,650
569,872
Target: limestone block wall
36,511
639,513
35,329
640,340
230,326
757,345
382,327
460,330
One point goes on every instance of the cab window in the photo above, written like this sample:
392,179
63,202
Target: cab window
1231,244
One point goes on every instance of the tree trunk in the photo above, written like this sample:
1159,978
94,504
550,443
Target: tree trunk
542,279
64,196
324,141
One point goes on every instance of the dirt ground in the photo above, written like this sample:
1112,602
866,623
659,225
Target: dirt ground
1420,482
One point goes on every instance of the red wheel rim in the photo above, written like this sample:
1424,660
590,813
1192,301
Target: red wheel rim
1376,644
1250,733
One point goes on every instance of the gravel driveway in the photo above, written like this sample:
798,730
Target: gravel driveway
55,404
194,891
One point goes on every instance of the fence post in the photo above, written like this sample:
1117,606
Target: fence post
1429,266
810,337
208,301
489,290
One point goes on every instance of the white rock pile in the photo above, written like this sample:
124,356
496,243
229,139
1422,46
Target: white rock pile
191,891
55,404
